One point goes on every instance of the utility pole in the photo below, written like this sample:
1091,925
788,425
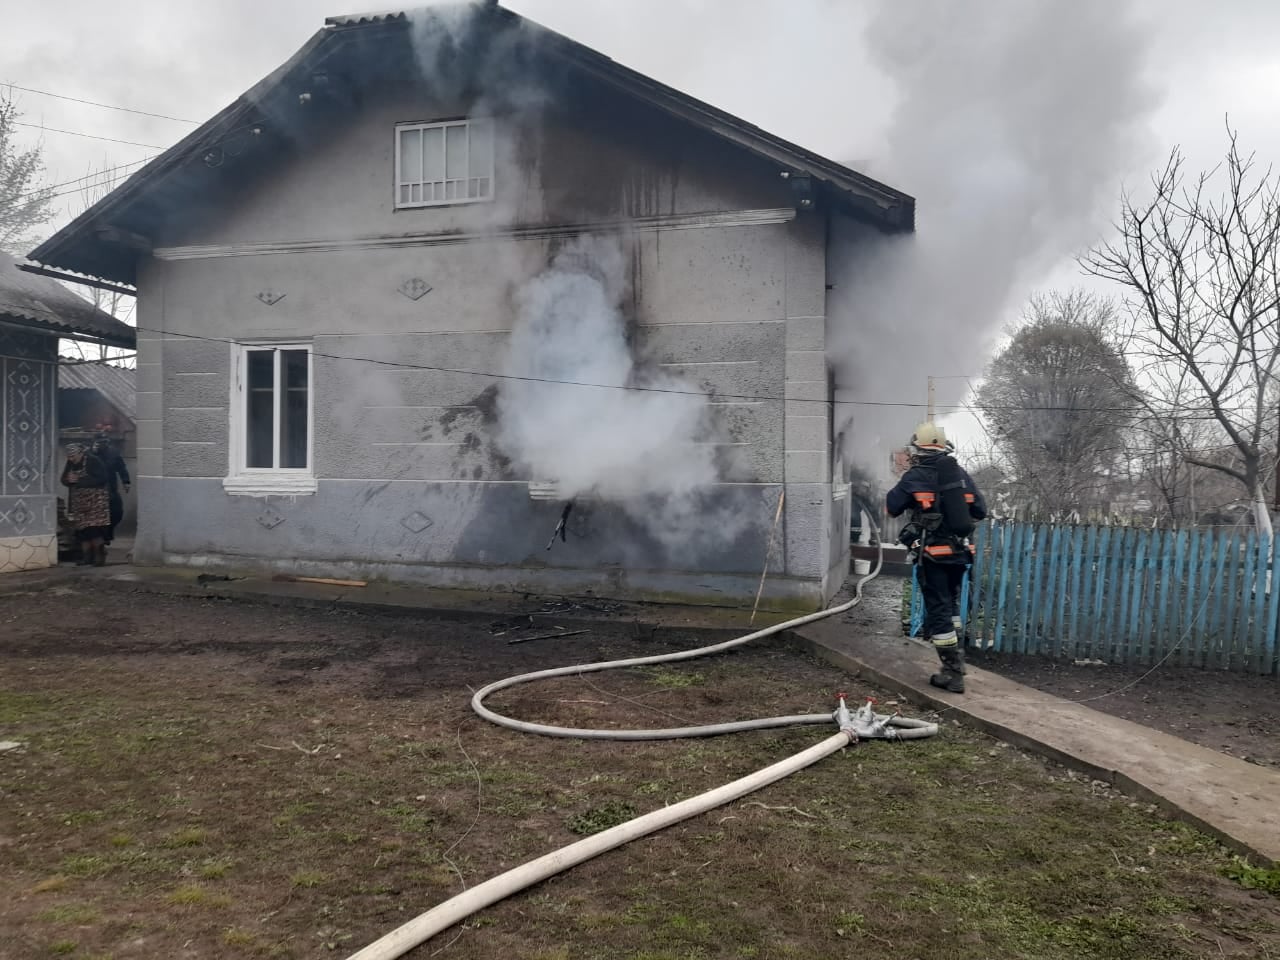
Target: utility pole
929,408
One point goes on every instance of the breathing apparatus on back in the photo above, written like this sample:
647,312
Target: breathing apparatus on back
949,515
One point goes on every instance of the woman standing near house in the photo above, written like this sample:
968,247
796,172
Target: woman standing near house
88,503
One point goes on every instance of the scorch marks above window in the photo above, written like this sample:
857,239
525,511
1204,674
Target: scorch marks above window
444,163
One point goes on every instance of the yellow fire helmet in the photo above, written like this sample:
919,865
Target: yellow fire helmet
929,438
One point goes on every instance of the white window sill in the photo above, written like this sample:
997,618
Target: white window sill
456,201
270,485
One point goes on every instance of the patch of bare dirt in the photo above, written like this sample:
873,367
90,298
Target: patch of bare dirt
206,778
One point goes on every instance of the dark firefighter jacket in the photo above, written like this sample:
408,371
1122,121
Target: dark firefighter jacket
917,491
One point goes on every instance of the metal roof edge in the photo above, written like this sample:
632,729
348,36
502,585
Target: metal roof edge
193,142
897,208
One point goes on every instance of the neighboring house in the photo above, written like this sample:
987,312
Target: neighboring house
329,271
35,312
98,398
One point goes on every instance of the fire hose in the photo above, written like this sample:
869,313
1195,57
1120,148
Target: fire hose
863,723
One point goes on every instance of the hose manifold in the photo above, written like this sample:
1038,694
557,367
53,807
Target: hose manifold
865,724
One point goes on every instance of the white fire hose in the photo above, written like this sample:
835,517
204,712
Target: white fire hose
861,724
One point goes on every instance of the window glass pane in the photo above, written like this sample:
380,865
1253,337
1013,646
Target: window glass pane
293,430
293,409
410,156
481,148
404,194
293,368
261,369
433,154
259,427
455,152
416,194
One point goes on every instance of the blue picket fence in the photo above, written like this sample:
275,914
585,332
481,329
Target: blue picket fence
1203,598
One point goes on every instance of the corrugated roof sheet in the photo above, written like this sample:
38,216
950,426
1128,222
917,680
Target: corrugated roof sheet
31,299
355,19
117,384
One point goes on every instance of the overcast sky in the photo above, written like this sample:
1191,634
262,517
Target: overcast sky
799,68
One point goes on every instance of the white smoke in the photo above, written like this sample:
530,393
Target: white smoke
616,444
1013,131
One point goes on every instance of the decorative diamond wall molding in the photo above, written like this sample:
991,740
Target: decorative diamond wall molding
26,425
20,517
415,288
416,522
270,297
270,519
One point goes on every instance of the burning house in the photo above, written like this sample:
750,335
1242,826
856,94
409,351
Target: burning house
444,274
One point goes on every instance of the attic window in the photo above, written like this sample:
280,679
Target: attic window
444,163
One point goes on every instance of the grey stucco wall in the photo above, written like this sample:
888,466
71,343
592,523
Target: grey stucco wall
28,471
411,483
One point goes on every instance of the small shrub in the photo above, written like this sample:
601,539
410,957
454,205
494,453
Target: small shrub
601,818
675,680
194,896
1250,877
189,837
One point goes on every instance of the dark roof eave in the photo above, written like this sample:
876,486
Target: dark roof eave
888,208
894,209
53,251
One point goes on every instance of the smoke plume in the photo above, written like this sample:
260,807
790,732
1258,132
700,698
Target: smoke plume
1013,131
611,443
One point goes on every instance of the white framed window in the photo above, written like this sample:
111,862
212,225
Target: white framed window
444,163
272,404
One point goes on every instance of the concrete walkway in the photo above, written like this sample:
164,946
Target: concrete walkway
1237,802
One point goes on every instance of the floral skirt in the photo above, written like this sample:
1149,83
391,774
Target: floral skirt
89,507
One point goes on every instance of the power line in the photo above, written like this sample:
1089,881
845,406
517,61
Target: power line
80,180
67,193
230,134
88,176
632,388
87,136
94,103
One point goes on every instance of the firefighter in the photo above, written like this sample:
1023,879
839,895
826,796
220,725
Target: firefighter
944,504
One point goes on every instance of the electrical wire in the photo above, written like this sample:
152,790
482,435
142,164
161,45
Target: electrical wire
212,145
88,136
94,103
634,388
88,176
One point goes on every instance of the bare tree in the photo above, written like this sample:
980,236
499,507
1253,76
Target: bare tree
24,203
1201,266
1058,399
